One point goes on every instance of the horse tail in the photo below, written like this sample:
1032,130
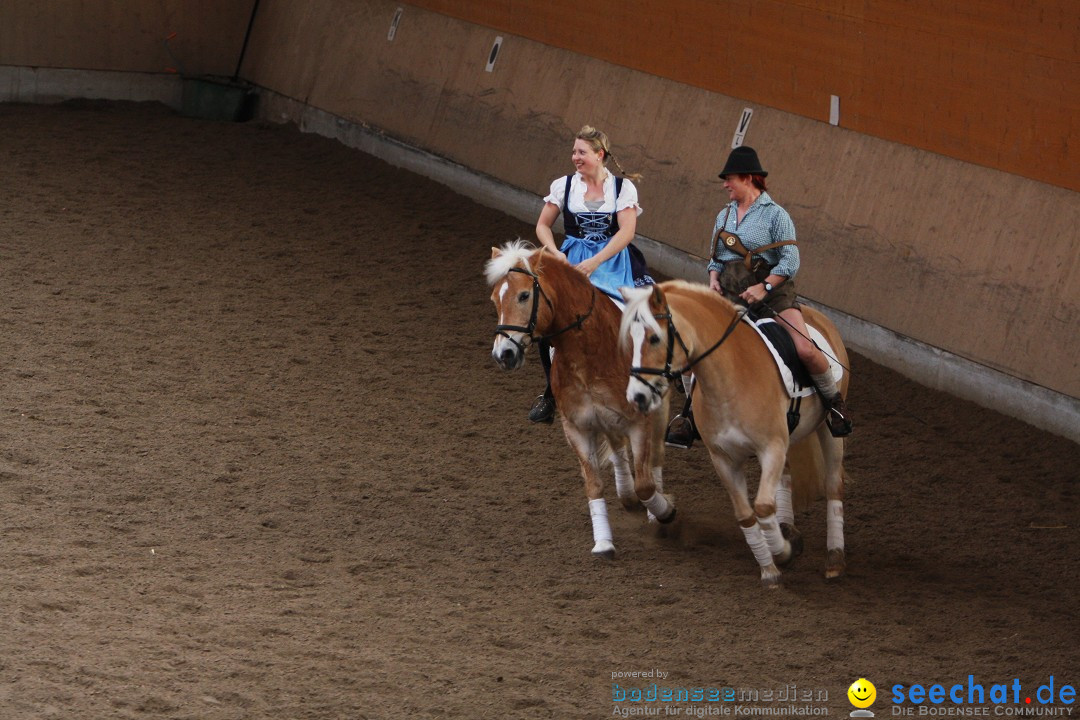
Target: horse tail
806,464
806,461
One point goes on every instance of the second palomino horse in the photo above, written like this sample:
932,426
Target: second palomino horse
541,297
741,408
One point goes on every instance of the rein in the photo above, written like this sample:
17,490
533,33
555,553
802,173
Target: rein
673,335
530,329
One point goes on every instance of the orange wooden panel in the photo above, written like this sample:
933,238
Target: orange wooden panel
995,83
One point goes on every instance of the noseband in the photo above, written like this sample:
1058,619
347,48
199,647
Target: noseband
530,329
673,335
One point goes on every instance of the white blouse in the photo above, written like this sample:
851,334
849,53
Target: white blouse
628,196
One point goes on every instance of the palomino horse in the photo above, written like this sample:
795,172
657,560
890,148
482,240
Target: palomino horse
541,297
740,407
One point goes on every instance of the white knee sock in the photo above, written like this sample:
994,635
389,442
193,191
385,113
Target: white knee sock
825,385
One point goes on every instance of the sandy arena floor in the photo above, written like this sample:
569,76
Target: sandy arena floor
257,462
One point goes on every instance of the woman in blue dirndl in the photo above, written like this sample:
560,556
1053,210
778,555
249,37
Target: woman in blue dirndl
600,217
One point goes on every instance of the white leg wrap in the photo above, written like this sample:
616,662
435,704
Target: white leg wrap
834,518
770,528
601,530
658,483
658,505
756,540
624,475
784,511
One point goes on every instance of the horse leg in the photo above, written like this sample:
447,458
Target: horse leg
772,467
785,515
732,475
588,448
624,476
657,428
648,478
833,452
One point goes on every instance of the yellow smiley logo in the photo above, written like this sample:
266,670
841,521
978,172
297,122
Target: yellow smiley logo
862,693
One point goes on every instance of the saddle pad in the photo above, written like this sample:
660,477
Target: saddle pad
798,383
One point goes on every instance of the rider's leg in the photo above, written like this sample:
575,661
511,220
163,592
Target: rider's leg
681,430
837,416
543,409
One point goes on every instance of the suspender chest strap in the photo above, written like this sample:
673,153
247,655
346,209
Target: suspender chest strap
732,242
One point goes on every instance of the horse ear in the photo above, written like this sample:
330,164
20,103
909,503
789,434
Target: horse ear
495,252
657,296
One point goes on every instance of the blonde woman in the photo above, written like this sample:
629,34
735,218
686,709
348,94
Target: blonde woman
600,214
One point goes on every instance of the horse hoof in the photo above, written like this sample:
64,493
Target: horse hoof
669,519
793,536
835,565
770,578
604,549
631,503
786,556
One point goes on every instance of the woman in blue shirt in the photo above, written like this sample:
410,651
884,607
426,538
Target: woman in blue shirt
600,217
764,229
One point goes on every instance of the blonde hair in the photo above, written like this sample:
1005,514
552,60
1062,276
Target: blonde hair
598,141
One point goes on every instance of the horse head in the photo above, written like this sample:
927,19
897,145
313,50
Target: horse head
514,272
655,346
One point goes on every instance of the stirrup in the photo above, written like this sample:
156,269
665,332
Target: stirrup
680,433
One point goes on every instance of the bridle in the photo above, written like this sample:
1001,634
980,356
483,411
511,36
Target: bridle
673,335
530,329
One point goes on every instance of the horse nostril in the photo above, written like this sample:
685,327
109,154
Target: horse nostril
641,401
508,356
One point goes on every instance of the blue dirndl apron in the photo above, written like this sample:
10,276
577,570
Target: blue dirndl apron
586,235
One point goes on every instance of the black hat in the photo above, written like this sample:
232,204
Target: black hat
743,160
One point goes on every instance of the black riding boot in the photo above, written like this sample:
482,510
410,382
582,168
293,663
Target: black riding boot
543,409
681,431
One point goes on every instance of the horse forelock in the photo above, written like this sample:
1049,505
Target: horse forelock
514,253
636,310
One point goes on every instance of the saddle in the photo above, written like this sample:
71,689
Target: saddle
793,374
797,377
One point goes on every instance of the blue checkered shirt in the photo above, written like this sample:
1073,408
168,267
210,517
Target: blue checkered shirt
764,223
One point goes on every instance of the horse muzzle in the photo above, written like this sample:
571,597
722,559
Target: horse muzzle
507,354
643,396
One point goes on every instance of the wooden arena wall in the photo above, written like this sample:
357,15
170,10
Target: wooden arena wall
991,82
942,206
961,256
198,37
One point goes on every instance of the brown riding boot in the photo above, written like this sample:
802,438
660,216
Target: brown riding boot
837,416
681,431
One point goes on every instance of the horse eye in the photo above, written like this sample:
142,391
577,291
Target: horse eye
654,339
523,296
